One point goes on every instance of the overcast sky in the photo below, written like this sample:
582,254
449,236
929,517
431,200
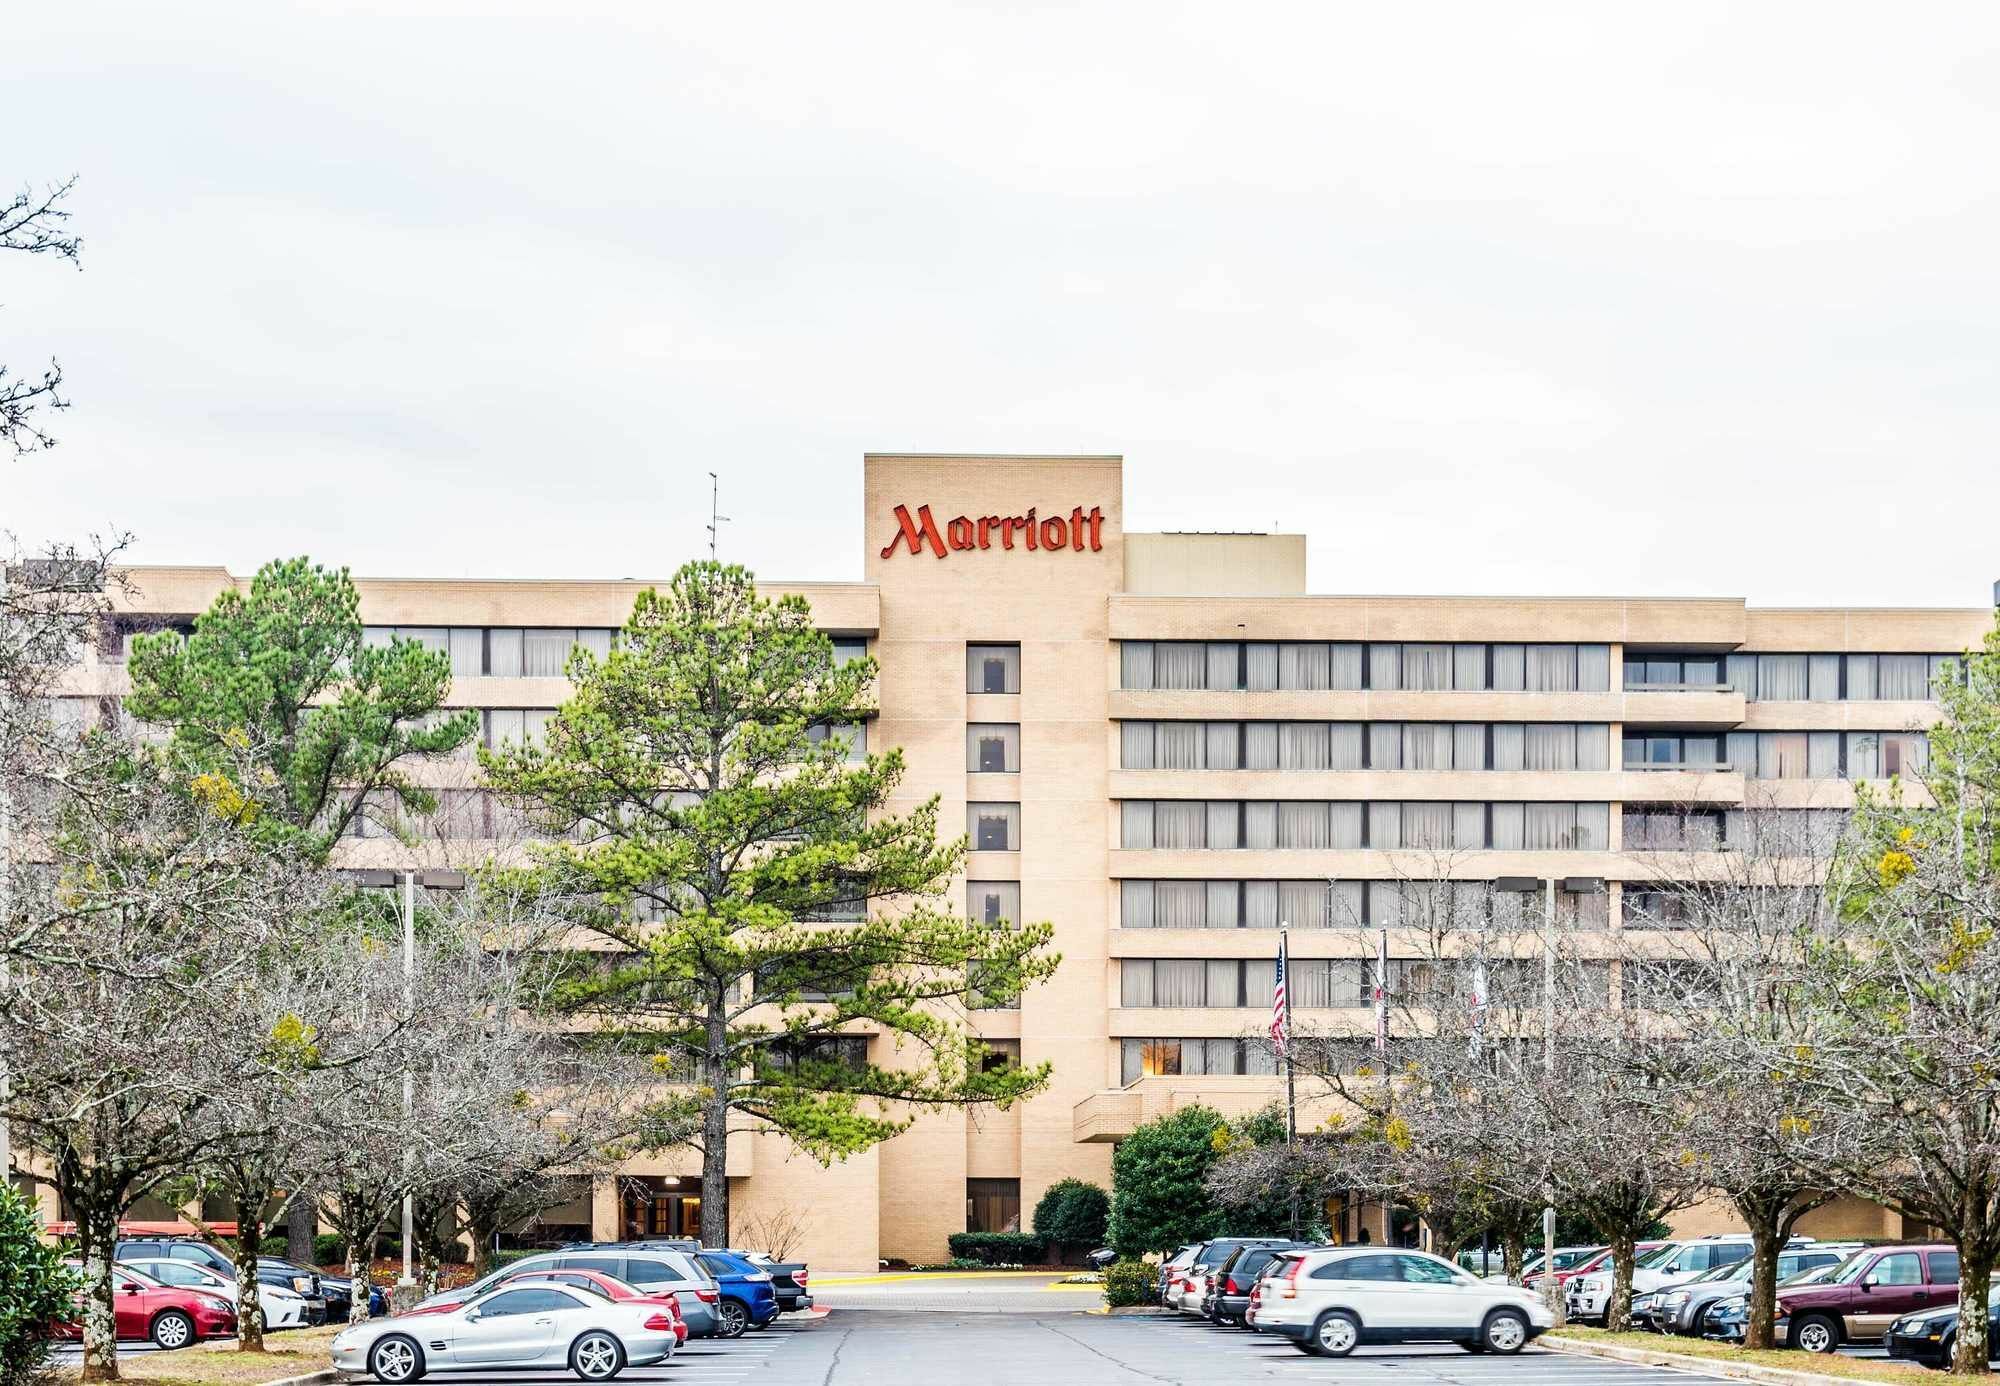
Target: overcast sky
1524,298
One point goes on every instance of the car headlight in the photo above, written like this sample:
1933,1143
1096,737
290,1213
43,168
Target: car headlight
1675,1301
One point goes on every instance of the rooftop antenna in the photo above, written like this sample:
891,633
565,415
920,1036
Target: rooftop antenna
715,517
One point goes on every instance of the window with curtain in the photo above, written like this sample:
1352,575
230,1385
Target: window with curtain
535,725
1468,825
1345,669
1385,826
1304,667
1260,979
1180,664
1178,745
1347,905
1593,746
1260,666
848,648
994,827
468,652
1782,678
1468,746
1135,982
1135,745
993,747
1225,832
1823,678
1135,904
1902,678
1345,825
1509,827
1548,827
1224,982
1823,755
544,651
503,653
1426,668
1344,746
1593,668
596,642
1135,664
1550,746
1225,664
1260,825
1260,746
1510,666
506,726
1468,668
1593,827
1260,904
1309,981
1385,745
1861,677
1223,904
1385,666
1427,745
1180,982
1781,755
1427,825
1302,824
1385,904
1224,745
1510,746
1551,668
1135,824
1864,755
1179,904
993,668
1180,824
1905,753
993,902
1304,746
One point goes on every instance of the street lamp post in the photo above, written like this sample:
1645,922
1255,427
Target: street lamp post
1528,885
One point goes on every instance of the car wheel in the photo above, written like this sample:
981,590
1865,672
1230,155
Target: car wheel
1816,1333
1505,1331
1472,1345
171,1330
735,1319
596,1357
1336,1334
396,1360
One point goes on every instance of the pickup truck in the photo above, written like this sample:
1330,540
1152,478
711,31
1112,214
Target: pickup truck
788,1280
1872,1289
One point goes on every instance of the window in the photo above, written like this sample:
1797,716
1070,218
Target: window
994,827
847,648
992,1205
1670,751
1898,1268
993,748
1667,670
1314,665
993,902
510,1302
851,737
1944,1267
1185,982
1376,1267
993,669
1000,1054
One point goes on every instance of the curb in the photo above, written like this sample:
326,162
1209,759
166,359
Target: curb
309,1379
1713,1366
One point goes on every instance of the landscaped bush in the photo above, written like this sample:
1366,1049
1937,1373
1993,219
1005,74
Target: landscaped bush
35,1287
1127,1283
329,1249
996,1248
1071,1216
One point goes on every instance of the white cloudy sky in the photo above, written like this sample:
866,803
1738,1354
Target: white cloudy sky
1570,298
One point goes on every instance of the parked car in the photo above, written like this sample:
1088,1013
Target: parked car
1587,1294
1173,1274
1728,1319
1228,1296
1680,1308
788,1280
1328,1301
336,1290
1931,1337
1871,1290
1598,1261
1569,1261
612,1288
748,1301
537,1325
1201,1272
169,1315
283,1307
1101,1258
647,1270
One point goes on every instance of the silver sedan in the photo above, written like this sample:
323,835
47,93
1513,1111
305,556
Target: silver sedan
542,1325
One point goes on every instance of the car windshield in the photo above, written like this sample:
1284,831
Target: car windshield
1659,1255
1728,1272
1852,1269
1812,1276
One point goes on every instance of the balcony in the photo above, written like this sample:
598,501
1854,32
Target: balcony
1109,1116
1682,705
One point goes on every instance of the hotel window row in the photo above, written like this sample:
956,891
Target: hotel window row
1670,828
527,651
1363,746
1261,666
1350,825
1326,983
1319,904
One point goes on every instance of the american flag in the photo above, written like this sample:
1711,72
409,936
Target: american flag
1382,991
1280,1006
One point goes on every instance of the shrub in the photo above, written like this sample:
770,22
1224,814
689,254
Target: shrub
1158,1198
1073,1213
1127,1283
329,1249
995,1248
35,1287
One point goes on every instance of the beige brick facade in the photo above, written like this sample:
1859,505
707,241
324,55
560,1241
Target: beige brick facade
1068,608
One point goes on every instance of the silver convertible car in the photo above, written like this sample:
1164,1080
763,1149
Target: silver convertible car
545,1325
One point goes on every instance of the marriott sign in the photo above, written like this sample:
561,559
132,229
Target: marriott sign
1080,529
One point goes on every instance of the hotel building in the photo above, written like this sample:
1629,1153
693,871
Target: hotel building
1164,744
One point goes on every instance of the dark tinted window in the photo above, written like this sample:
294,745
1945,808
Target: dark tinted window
642,1271
1944,1267
603,1265
524,1302
1252,1263
1361,1268
187,1251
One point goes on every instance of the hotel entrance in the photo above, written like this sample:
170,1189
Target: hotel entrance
658,1206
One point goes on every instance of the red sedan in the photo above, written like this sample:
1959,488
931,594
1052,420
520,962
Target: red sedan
610,1286
171,1316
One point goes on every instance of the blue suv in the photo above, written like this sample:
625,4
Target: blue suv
748,1301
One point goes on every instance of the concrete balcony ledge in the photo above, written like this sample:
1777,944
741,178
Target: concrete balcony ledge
1682,707
1113,1115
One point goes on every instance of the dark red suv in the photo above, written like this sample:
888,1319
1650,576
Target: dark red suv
1871,1290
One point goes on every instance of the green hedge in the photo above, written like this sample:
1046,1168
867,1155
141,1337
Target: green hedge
996,1248
1128,1282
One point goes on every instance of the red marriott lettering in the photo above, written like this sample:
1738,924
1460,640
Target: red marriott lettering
1080,529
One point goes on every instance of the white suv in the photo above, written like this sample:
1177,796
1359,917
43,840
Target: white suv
1589,1296
1331,1301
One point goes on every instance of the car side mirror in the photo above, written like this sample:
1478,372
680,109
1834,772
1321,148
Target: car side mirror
473,1317
1871,1282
